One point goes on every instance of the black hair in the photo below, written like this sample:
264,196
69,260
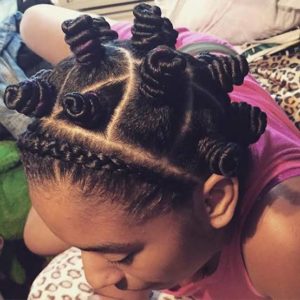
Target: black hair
135,119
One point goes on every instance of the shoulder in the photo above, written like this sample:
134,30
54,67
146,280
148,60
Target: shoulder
271,244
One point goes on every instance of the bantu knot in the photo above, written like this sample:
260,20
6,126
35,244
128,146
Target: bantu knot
83,109
150,29
162,72
169,33
103,31
223,158
226,71
34,97
248,123
81,36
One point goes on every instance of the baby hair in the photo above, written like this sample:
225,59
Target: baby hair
136,120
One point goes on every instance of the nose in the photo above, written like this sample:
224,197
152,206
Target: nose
98,273
104,278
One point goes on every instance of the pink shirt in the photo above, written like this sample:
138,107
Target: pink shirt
275,158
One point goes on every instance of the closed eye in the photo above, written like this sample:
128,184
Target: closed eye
127,260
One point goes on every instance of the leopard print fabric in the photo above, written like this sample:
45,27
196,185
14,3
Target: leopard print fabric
279,74
63,279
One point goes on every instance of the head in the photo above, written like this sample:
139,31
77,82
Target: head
136,151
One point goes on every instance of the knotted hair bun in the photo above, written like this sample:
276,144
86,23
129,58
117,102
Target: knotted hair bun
169,33
103,31
162,71
150,29
33,97
222,157
248,123
84,109
81,36
226,71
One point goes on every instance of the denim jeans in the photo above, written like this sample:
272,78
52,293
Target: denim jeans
11,73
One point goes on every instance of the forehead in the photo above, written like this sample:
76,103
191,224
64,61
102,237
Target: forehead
67,199
79,222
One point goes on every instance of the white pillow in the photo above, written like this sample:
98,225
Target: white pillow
237,21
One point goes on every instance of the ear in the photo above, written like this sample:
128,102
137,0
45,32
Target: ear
220,195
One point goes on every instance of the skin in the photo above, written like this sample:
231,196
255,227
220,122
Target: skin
44,21
175,246
51,46
167,250
270,244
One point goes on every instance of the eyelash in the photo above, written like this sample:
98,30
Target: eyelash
124,261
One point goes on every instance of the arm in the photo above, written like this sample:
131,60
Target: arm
40,29
272,246
38,237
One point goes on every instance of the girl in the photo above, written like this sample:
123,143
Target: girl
140,158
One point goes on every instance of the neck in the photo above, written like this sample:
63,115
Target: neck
221,238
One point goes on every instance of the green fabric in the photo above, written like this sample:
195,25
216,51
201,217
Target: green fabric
9,155
198,47
17,272
14,199
259,48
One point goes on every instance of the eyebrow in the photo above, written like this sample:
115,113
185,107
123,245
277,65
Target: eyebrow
114,248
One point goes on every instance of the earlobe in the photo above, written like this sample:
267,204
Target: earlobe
220,197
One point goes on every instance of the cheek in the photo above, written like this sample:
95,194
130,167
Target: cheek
98,272
92,263
179,259
167,262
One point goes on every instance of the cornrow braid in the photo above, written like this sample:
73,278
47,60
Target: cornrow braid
36,141
47,145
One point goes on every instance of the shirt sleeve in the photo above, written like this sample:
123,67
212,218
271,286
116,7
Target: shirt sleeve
123,29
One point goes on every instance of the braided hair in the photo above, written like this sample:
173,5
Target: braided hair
148,120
